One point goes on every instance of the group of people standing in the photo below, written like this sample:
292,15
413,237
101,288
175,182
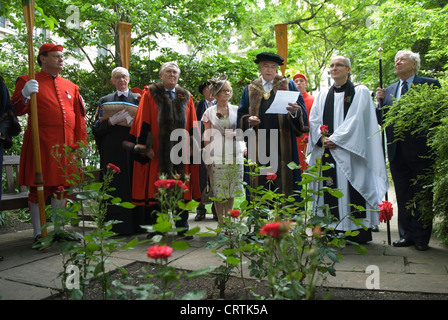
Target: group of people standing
134,132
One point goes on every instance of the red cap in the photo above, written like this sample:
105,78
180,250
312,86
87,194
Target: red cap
47,47
299,75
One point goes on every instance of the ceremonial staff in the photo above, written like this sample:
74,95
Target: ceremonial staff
281,36
380,104
28,11
125,43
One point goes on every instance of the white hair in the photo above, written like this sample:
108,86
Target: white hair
347,60
121,70
415,56
169,64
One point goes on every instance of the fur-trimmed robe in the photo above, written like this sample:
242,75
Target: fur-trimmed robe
157,116
289,128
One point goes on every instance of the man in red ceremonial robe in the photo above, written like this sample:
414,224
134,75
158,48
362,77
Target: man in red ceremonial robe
61,113
164,107
301,82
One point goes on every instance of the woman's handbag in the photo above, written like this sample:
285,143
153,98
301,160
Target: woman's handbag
207,193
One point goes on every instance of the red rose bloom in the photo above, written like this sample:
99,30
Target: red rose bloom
305,138
271,176
170,183
324,129
74,146
159,252
234,213
113,167
275,229
317,231
386,211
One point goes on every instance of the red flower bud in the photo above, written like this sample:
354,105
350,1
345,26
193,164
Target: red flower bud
386,211
159,252
234,213
271,176
324,129
113,167
275,229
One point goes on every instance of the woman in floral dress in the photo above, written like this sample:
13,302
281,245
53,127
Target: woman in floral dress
223,148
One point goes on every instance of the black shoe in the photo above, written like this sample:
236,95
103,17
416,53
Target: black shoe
65,237
199,216
375,229
36,242
152,234
421,247
403,243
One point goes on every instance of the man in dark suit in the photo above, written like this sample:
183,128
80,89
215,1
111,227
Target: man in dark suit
201,106
409,157
109,135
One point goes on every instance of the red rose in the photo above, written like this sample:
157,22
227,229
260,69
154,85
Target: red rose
180,96
159,252
74,146
305,138
271,176
113,167
324,129
386,211
275,229
317,231
61,189
170,183
234,213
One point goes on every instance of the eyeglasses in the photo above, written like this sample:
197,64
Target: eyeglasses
339,65
120,77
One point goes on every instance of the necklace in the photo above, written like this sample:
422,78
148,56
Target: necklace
266,95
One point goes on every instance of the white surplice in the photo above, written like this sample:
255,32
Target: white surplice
359,156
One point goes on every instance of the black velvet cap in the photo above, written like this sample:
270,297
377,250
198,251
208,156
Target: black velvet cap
269,56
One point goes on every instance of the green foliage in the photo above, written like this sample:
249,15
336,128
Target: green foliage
303,252
90,255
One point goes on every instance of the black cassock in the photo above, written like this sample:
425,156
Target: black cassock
109,143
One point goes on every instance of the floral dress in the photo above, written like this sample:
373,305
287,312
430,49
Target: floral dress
224,153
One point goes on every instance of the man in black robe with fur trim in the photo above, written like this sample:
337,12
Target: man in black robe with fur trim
257,97
165,108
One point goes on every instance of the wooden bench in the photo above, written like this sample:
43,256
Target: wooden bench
14,196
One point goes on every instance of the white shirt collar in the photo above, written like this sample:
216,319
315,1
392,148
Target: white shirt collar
267,85
123,93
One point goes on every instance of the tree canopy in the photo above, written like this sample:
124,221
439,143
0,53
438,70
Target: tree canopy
223,36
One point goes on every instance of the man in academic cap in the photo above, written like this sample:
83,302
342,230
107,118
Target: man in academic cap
60,112
276,133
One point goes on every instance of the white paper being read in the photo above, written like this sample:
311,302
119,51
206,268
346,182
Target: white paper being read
281,100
